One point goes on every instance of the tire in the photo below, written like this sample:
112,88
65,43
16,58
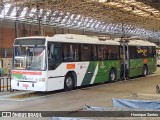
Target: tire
69,82
112,75
144,71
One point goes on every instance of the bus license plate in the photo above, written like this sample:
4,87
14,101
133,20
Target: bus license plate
25,85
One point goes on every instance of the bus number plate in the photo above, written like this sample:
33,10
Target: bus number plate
25,85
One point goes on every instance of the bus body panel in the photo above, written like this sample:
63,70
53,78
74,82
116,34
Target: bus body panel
56,83
104,68
55,79
87,73
39,86
152,67
136,66
29,80
57,76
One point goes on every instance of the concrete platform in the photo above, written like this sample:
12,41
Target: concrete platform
101,95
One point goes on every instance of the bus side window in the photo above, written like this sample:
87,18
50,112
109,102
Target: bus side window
57,55
105,52
76,54
150,52
50,56
154,51
94,52
85,52
109,55
54,55
100,52
132,52
50,50
65,51
75,50
70,52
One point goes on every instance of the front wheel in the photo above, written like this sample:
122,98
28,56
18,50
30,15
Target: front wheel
69,82
112,75
144,71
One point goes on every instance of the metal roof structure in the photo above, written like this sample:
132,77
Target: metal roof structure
123,17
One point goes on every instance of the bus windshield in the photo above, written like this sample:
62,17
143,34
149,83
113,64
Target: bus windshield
29,58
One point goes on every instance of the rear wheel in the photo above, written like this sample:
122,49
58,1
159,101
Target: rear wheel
69,82
112,75
144,71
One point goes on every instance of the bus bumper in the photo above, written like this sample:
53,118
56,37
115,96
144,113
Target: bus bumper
39,86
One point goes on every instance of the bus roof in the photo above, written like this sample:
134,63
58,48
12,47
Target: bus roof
135,41
73,38
140,43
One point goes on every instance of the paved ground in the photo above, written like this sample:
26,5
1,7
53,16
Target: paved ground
100,95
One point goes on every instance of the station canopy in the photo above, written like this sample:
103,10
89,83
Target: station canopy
121,17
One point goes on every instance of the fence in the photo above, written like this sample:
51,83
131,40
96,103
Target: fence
5,84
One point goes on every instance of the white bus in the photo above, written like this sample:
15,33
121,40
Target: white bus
63,61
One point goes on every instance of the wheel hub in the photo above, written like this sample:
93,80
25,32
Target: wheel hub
112,76
69,81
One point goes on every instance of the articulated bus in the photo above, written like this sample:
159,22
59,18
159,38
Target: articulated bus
65,61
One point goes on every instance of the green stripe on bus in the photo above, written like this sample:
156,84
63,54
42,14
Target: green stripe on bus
89,73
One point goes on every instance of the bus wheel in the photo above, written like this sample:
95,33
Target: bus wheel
69,82
144,71
112,75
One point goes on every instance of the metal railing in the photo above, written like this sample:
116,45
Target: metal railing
5,84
